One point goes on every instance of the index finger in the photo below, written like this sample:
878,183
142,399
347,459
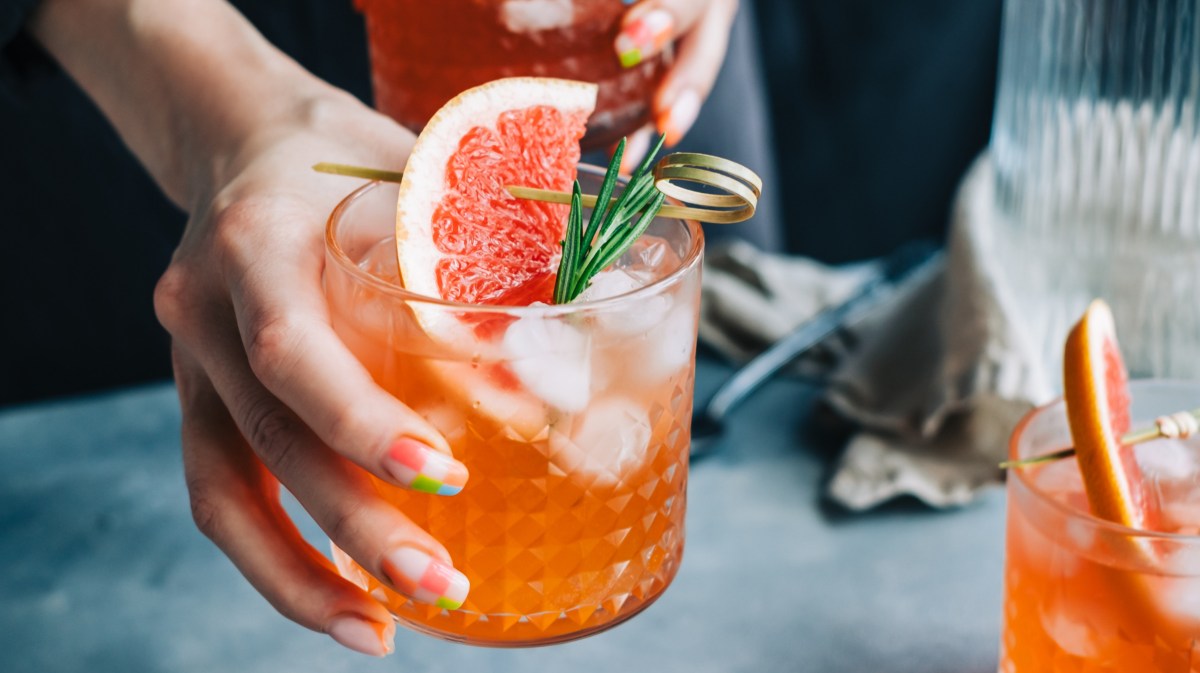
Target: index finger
285,325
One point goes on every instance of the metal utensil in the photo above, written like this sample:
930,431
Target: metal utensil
708,421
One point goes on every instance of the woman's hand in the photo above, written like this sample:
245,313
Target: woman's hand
230,127
700,28
269,393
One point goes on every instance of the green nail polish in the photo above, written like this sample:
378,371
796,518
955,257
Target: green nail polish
425,484
631,58
447,604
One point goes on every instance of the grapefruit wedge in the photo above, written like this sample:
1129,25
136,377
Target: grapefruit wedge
1096,392
459,235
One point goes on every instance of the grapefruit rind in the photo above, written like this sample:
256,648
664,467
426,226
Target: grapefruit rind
1095,386
424,181
1086,383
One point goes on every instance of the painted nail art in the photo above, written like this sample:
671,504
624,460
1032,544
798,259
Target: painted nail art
680,117
644,37
426,579
423,469
362,635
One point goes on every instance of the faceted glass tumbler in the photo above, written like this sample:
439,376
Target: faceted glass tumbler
572,419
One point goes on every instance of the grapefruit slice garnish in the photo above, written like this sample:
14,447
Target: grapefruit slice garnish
1096,392
459,235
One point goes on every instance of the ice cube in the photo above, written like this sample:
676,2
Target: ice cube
1060,479
552,360
1184,561
448,419
1080,539
380,261
485,391
1042,550
648,259
1178,598
1071,632
608,440
610,283
1170,469
533,16
1167,459
654,345
669,344
1176,592
1181,515
633,316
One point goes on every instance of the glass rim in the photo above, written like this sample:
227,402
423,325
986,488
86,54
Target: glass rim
334,249
1063,508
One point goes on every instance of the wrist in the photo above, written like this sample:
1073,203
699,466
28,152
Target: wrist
214,150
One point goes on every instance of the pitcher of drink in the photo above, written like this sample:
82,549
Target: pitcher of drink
1097,174
424,52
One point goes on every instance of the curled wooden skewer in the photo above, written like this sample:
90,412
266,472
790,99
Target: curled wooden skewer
741,187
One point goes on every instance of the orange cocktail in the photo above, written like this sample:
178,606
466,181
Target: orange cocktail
424,52
1085,594
573,421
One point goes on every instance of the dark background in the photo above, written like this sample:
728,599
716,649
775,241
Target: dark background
860,114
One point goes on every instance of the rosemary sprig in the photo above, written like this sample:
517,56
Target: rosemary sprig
612,228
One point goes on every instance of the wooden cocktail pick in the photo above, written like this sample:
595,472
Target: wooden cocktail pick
1179,425
741,187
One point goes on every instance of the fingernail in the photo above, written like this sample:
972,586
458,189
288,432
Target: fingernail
425,579
644,36
424,469
680,117
635,150
362,635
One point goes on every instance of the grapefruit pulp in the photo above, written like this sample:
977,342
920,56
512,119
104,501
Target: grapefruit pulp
459,235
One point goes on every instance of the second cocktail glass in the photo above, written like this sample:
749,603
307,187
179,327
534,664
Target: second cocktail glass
1085,594
573,421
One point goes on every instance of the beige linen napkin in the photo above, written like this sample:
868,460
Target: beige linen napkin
935,378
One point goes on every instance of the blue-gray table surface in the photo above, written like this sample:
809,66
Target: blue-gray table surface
101,569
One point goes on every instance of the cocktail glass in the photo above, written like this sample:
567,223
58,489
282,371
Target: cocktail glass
1085,594
573,421
424,52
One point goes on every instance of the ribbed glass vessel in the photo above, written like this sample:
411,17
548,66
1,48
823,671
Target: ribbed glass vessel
1097,181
